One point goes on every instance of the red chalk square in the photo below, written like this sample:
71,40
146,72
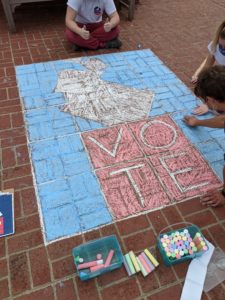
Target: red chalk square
158,135
111,145
131,188
184,173
171,170
187,157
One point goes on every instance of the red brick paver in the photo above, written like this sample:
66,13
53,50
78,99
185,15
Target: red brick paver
178,32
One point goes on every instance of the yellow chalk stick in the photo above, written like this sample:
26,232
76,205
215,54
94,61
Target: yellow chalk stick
134,261
151,257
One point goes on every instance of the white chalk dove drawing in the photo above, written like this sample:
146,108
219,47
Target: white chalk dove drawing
90,97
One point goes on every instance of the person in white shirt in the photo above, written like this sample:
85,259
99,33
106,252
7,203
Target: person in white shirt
216,56
85,27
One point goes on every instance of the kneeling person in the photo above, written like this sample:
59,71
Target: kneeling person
210,87
85,27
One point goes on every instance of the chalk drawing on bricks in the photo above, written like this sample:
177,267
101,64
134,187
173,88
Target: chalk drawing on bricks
89,97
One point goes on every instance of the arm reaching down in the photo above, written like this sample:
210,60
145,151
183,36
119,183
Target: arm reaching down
208,62
216,122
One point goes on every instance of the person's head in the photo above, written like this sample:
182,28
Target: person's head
210,87
219,37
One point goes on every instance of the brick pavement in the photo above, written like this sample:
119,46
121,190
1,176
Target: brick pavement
178,33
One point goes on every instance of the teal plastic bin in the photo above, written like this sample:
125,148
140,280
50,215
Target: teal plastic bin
89,251
193,229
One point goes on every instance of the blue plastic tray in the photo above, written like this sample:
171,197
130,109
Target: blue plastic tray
89,251
193,229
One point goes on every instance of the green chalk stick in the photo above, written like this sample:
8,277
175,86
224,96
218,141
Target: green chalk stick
129,262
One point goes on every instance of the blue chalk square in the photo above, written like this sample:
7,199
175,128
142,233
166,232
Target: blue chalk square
90,205
70,144
44,149
69,218
213,156
53,187
49,169
84,186
55,199
78,159
86,125
218,168
89,221
27,69
31,102
36,133
52,224
209,146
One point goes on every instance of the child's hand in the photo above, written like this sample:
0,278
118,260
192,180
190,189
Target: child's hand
107,25
84,33
194,79
213,198
201,110
190,120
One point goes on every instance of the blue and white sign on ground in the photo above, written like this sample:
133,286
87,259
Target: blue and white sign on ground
6,214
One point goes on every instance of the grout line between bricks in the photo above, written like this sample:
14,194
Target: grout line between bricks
76,288
43,286
29,270
54,291
98,289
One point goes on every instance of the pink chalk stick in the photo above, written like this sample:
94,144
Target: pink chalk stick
96,268
144,264
109,258
148,262
90,264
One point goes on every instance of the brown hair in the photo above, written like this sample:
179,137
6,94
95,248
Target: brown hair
220,33
211,83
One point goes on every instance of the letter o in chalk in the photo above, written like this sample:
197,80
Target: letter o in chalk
158,134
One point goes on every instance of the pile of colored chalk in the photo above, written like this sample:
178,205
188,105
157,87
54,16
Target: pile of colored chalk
180,244
144,263
94,265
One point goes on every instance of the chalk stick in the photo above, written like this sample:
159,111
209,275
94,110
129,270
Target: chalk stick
134,261
144,264
89,264
82,274
200,245
197,240
150,264
129,262
142,269
96,268
151,257
109,258
126,267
